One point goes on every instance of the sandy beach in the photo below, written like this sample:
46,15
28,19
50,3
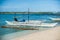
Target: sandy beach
51,34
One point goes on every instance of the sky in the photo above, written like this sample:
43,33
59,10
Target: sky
33,5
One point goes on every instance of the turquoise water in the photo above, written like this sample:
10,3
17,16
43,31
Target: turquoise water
4,17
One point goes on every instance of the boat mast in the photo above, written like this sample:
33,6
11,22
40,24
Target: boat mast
28,14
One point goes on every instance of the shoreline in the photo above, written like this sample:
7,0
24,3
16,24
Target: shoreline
51,34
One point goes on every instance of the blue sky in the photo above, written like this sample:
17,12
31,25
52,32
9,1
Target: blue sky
34,5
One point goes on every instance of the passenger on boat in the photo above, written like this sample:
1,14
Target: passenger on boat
15,19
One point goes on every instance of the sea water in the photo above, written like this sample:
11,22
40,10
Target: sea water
10,17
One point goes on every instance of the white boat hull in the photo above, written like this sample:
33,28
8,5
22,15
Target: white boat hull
31,23
55,19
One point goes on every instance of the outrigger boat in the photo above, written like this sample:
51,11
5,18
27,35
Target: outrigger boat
28,23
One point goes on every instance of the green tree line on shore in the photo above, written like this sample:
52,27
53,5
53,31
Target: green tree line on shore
29,12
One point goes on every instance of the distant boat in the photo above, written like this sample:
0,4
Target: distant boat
55,19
